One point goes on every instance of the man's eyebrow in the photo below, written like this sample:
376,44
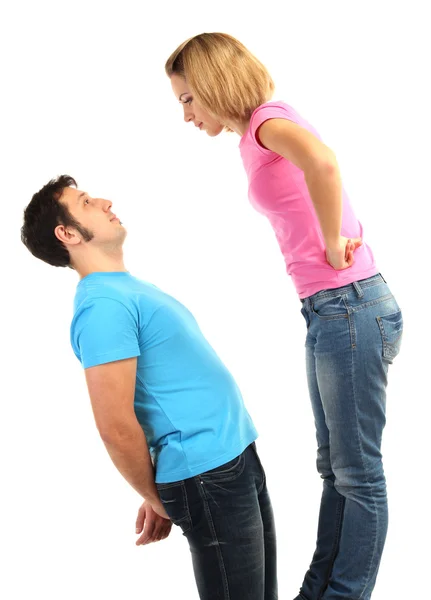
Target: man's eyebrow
81,195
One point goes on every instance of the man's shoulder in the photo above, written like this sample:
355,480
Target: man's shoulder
102,299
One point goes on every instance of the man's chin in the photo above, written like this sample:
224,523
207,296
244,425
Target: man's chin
122,233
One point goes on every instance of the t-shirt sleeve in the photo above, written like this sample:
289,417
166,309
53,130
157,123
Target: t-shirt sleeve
266,112
104,330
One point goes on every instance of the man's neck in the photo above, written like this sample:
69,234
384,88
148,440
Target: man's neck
99,264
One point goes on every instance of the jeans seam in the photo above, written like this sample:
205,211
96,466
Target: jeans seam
367,577
337,317
214,535
372,303
351,324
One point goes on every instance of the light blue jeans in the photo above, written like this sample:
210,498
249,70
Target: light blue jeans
353,334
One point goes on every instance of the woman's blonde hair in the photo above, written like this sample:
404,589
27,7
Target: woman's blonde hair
226,79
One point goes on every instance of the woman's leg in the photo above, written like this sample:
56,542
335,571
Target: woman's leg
353,336
332,502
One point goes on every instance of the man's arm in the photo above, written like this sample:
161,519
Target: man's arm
112,390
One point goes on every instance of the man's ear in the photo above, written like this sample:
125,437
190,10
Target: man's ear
67,235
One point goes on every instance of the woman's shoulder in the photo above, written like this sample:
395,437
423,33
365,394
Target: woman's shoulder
274,109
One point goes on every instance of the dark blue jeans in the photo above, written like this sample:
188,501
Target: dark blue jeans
353,335
227,518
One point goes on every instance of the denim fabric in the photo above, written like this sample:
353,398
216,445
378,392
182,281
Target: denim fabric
353,335
227,518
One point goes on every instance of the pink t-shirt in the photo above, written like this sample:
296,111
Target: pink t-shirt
278,190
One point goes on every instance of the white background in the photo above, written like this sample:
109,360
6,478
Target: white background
84,93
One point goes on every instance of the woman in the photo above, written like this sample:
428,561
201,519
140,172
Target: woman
354,324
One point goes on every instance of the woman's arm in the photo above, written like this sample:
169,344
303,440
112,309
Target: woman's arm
322,177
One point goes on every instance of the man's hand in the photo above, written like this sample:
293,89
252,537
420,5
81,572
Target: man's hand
158,508
151,525
341,256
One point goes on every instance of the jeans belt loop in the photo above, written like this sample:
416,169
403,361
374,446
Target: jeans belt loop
358,289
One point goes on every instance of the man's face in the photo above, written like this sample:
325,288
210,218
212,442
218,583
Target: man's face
99,225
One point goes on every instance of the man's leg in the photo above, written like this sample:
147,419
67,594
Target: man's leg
269,539
225,515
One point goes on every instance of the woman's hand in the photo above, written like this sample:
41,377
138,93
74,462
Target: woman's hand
341,256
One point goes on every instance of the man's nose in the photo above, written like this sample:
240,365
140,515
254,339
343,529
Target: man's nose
105,204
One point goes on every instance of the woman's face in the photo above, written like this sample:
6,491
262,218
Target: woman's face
193,113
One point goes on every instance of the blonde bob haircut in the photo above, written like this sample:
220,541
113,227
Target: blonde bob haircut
226,79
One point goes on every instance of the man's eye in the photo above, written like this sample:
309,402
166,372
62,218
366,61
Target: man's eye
86,201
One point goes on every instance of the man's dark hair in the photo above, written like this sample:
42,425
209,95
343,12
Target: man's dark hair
42,216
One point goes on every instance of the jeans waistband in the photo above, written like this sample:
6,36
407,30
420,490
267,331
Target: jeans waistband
356,286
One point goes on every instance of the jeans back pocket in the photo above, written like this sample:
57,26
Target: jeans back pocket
175,502
391,329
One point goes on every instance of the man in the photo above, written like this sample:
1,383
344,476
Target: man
169,413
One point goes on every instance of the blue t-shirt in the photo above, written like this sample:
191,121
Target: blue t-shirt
186,401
